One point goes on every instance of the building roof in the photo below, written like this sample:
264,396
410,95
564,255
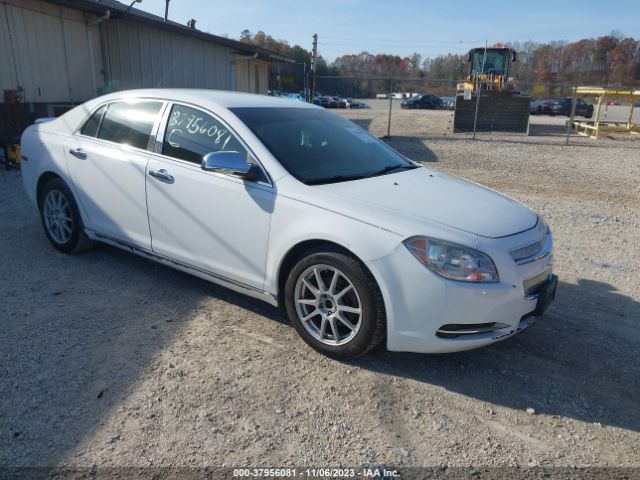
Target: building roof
121,11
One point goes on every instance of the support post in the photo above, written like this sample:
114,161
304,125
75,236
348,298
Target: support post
596,123
390,107
572,115
479,90
630,120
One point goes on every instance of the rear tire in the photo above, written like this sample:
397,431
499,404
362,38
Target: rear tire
61,219
342,315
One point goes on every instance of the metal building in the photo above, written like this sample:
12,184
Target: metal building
58,53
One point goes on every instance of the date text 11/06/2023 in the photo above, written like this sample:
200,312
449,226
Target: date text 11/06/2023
372,472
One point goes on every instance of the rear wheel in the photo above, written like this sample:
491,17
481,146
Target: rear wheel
61,218
335,304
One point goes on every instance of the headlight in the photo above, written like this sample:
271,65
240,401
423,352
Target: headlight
543,228
453,261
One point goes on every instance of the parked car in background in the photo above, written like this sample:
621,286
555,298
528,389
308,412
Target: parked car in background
325,101
359,104
296,206
343,102
336,102
562,106
448,103
294,96
538,107
422,101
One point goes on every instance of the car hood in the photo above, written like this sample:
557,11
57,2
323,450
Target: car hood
421,195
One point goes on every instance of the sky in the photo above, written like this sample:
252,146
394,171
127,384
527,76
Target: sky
402,27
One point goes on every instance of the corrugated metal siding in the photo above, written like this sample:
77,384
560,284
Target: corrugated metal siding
263,75
145,56
45,49
52,53
251,76
8,74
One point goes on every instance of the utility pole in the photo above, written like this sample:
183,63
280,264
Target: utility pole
166,10
314,64
305,81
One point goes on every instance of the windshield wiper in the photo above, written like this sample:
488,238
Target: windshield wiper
390,168
335,179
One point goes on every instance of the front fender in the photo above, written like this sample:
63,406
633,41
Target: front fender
294,222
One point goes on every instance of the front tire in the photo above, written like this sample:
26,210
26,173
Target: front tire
61,218
335,304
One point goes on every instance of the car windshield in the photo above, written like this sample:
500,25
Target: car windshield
318,147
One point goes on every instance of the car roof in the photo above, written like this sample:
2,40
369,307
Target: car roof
223,98
211,99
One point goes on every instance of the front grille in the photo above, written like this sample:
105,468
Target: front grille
532,284
526,251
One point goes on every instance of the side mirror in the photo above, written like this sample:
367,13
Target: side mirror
514,57
230,163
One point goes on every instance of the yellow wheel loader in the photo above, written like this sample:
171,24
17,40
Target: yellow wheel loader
500,107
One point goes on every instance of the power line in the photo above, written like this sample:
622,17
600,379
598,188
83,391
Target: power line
389,40
381,45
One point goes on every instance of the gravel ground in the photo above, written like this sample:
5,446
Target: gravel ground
107,359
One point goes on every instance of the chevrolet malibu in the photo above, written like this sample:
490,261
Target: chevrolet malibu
296,206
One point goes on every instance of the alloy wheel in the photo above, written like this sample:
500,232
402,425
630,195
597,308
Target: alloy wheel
58,217
328,305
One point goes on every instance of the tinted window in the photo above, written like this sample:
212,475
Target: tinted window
129,123
493,63
90,128
191,134
316,146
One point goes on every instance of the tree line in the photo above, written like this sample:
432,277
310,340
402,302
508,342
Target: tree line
612,60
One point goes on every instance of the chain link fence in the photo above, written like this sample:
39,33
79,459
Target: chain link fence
417,107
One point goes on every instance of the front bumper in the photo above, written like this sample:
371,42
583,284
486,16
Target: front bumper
429,314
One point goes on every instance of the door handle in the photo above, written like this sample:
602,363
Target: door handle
78,153
163,175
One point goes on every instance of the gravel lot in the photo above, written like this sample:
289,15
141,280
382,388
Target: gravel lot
107,359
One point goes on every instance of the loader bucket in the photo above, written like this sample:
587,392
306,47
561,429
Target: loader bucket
497,112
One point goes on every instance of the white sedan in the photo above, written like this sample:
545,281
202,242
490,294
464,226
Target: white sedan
296,206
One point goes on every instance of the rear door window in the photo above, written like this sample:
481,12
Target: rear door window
129,123
90,128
